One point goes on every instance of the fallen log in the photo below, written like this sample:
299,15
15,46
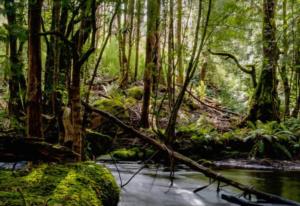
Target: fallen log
15,148
191,163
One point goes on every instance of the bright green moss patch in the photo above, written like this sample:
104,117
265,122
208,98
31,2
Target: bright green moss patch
136,92
71,184
126,154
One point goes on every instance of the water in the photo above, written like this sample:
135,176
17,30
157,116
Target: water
151,187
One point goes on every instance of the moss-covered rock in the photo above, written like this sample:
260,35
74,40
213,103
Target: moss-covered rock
97,143
136,92
113,106
60,185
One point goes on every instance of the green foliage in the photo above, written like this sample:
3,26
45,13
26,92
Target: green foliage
71,184
269,134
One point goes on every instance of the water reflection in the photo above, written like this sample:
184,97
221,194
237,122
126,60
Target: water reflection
286,184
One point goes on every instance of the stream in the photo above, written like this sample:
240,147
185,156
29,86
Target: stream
151,186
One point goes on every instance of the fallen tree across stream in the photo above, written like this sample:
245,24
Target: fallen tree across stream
248,191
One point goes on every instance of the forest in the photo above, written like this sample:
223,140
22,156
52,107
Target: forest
149,102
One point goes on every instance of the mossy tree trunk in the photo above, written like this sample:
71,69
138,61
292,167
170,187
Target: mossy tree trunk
87,26
34,91
139,7
265,101
283,70
152,56
17,83
179,42
296,109
171,61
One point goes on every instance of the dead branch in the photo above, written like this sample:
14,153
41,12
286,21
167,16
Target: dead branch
191,163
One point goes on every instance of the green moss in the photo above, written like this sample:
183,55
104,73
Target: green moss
71,184
136,92
113,106
126,154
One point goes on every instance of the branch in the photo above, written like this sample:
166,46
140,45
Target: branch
251,72
60,35
86,56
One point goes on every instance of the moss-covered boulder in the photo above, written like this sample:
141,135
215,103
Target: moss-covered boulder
97,143
136,92
59,185
113,106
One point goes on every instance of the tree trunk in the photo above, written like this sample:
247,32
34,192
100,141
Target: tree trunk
87,24
296,109
130,34
17,84
138,36
179,42
152,56
34,92
283,71
265,101
171,62
122,41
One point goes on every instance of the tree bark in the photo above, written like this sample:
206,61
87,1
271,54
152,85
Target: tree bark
34,91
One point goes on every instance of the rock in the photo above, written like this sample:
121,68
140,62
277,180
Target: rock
56,184
98,143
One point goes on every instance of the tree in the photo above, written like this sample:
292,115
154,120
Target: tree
34,90
171,54
283,69
87,26
17,83
152,56
139,7
190,71
265,101
179,42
